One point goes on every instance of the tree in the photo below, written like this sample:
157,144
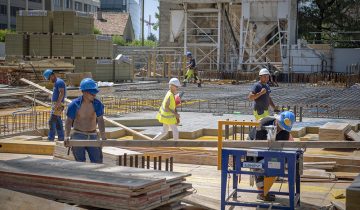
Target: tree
152,37
327,16
3,34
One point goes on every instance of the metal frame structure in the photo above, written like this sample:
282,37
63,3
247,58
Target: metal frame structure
272,165
263,19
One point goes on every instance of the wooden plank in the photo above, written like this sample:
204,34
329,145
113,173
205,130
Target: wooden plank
352,135
210,143
333,131
202,201
338,205
105,118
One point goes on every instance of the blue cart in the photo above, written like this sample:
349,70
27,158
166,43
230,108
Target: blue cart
273,164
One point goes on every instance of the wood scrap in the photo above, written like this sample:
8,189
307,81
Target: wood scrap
37,101
352,136
338,205
318,175
345,175
320,165
202,201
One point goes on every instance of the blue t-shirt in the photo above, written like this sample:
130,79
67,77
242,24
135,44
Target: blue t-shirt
262,103
58,85
75,105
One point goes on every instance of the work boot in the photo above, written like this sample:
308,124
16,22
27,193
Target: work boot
184,84
268,197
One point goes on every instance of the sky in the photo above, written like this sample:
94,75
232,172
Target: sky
150,9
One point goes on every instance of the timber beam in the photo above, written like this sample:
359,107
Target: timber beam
211,143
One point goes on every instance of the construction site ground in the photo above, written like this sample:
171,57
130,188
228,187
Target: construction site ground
200,111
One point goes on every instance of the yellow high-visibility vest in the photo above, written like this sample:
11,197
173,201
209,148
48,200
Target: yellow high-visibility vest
167,117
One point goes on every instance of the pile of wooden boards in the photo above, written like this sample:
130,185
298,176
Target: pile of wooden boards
334,131
93,184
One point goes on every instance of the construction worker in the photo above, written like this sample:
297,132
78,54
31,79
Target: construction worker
167,114
260,94
280,126
83,114
57,100
191,70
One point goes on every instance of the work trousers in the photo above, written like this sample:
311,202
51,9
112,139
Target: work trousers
165,130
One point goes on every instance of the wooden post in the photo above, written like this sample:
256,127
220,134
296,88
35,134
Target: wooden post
125,164
131,161
142,162
159,163
171,163
148,162
167,164
136,161
155,164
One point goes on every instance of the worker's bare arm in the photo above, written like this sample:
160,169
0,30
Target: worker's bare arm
68,125
253,96
272,103
101,124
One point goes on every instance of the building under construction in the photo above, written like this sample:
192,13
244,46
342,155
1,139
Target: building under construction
213,164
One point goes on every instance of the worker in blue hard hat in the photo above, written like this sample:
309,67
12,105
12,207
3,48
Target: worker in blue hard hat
280,127
84,114
57,108
168,114
191,72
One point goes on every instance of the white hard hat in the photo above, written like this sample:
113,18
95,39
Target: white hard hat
174,81
264,71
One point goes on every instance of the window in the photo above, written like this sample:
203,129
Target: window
68,4
57,3
3,10
3,26
78,6
36,1
87,8
13,10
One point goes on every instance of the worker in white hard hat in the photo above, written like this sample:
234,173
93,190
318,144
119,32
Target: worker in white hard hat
260,94
167,114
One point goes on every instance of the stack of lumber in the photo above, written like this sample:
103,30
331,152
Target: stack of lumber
333,131
93,184
34,21
317,175
74,79
353,195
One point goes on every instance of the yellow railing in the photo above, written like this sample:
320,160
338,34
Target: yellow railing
221,123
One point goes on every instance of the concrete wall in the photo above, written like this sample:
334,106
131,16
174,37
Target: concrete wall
345,56
164,27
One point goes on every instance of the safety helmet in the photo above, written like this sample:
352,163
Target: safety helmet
286,120
264,71
188,54
47,73
174,81
89,85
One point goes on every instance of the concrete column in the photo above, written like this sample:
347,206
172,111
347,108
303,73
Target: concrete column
26,5
73,5
63,5
219,37
51,5
8,14
83,6
185,27
43,4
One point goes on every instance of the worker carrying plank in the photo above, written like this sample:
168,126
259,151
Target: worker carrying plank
191,72
272,128
260,94
167,114
57,108
83,114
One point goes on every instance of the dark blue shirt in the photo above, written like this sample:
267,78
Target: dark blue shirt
75,105
56,92
262,134
192,63
262,103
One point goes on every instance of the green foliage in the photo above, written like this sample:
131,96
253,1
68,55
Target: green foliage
3,34
319,19
119,40
96,31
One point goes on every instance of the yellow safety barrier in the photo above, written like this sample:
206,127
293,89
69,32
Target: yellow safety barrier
221,123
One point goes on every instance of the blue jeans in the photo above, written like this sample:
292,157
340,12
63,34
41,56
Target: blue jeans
56,125
95,153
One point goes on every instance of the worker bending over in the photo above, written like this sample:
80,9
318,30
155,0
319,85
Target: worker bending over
282,125
191,70
83,114
57,108
260,94
167,114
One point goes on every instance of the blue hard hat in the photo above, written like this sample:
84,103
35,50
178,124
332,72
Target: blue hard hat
47,73
89,85
188,54
286,120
